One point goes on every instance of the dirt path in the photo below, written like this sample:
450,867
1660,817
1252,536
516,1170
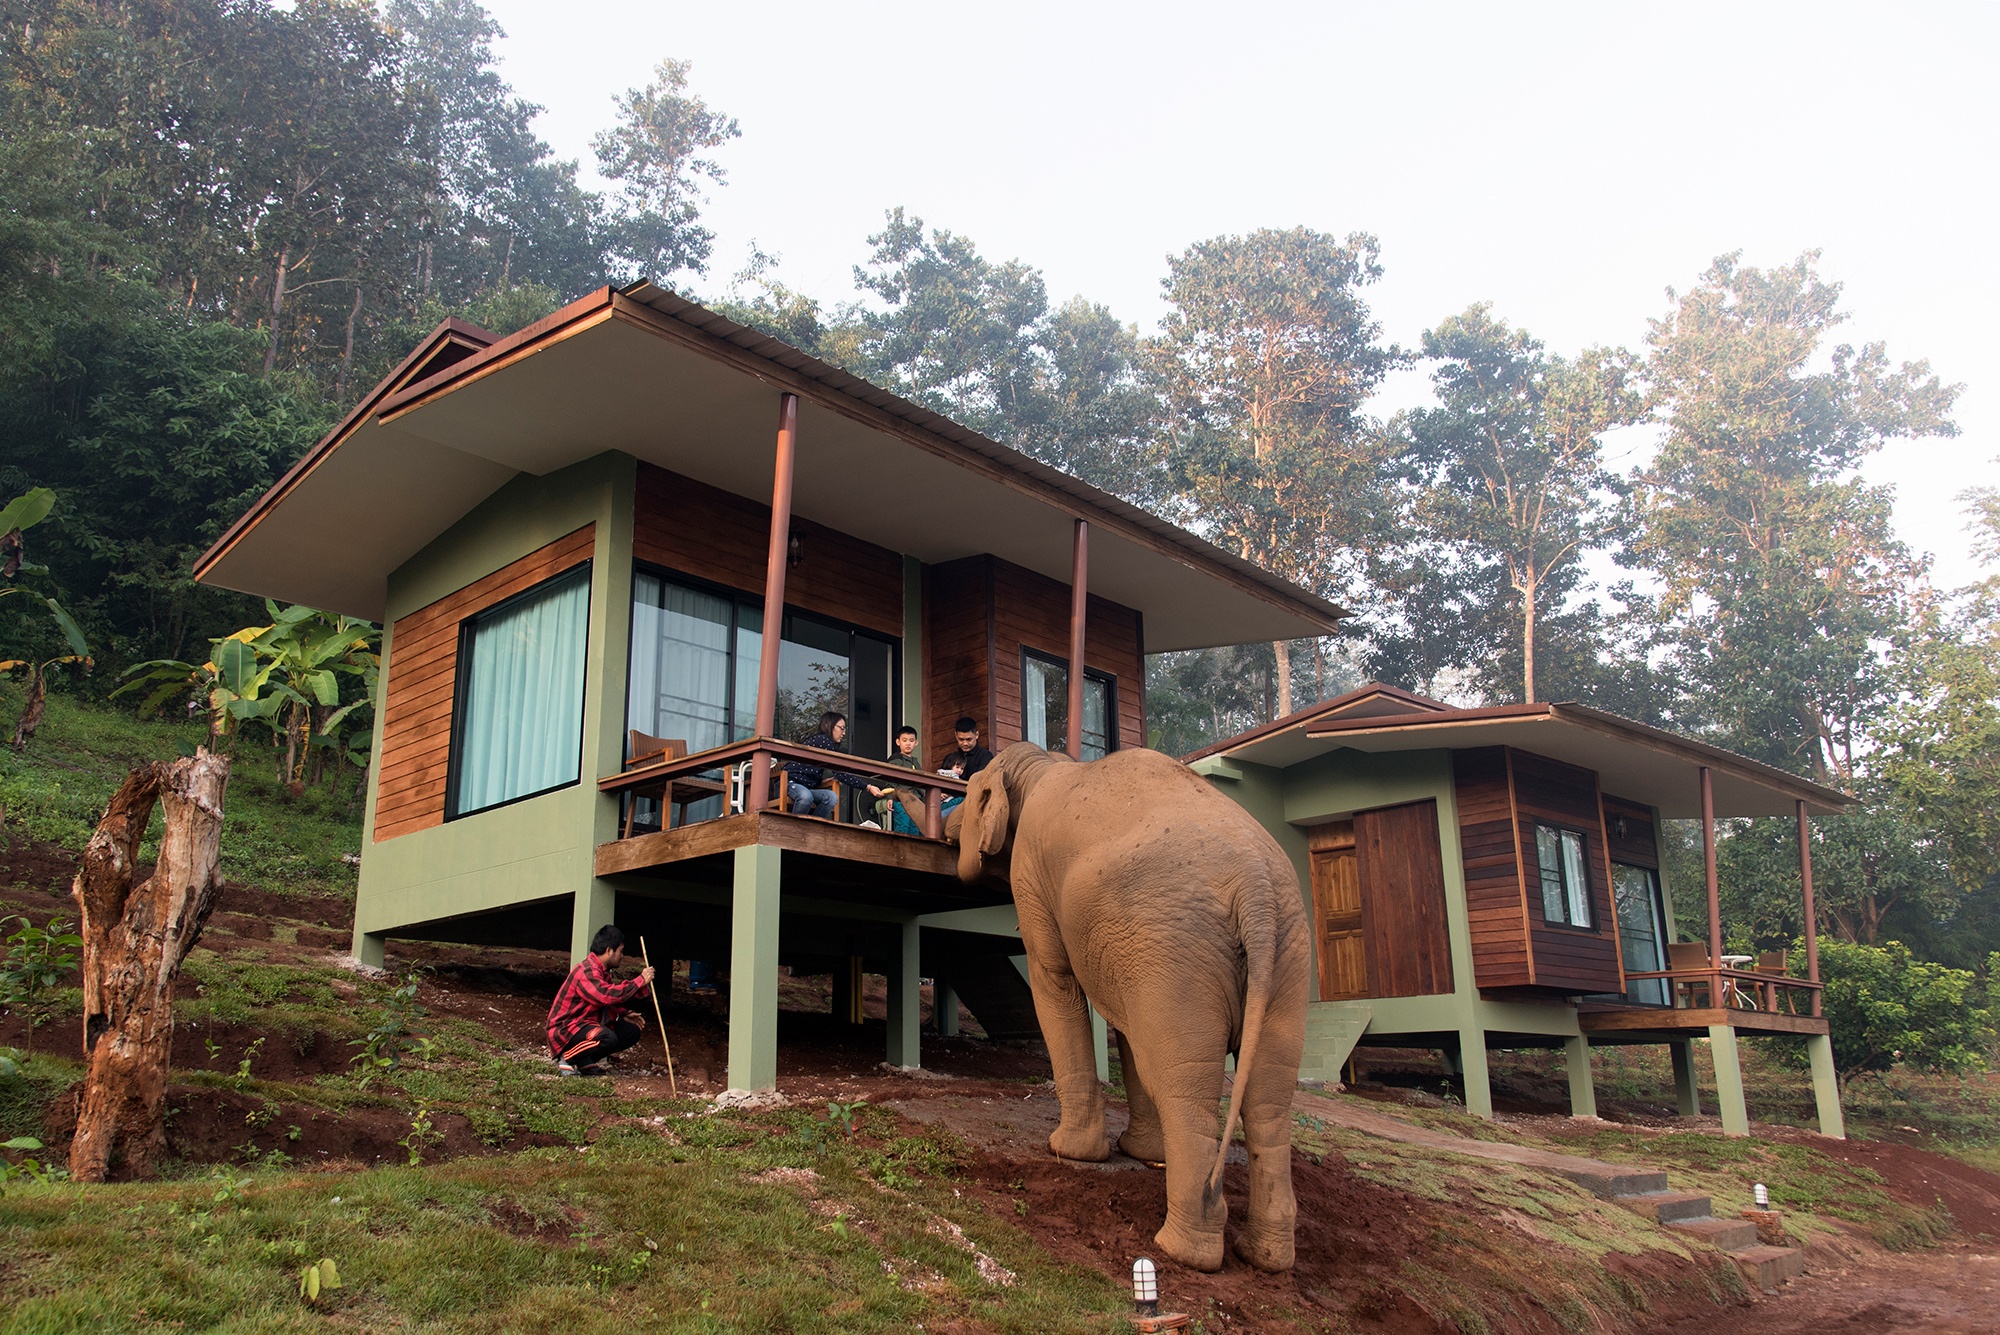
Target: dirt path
1950,1290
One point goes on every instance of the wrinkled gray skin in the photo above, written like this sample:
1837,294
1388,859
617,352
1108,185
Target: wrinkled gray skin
1181,920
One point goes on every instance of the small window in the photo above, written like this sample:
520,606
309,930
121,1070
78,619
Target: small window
518,729
1045,706
1565,888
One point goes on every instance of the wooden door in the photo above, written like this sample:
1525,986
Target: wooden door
1338,930
1401,876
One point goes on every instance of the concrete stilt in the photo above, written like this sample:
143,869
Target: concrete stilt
1687,1093
1728,1080
753,970
906,1001
1582,1092
1472,1065
368,949
1826,1087
944,1005
595,906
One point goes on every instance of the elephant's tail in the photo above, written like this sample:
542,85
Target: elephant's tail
1258,931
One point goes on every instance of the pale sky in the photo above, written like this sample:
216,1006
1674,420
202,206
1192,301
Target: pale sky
1567,163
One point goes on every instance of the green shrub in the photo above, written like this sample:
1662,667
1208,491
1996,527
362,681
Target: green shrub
1886,1007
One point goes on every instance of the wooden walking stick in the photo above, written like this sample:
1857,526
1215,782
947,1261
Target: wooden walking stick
672,1084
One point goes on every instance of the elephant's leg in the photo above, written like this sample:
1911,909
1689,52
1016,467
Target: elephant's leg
1182,1071
1065,1019
1265,1239
1142,1138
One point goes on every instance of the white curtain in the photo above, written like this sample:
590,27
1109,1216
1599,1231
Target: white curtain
1037,679
522,716
679,684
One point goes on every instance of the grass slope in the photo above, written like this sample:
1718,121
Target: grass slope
57,787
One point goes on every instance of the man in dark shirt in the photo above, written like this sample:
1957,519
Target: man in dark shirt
970,757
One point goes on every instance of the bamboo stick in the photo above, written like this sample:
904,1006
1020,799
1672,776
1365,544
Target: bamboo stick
672,1084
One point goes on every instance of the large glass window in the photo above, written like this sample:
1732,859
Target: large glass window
1045,706
695,656
518,725
1642,930
1565,888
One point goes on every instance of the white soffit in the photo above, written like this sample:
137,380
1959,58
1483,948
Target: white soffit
615,386
362,511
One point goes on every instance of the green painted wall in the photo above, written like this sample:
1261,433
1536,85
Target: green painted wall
544,846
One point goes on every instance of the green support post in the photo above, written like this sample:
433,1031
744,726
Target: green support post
906,1000
1582,1092
944,1008
1826,1087
368,949
1687,1092
1472,1065
753,970
1728,1080
596,905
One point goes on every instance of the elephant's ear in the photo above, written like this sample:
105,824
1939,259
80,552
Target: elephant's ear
990,813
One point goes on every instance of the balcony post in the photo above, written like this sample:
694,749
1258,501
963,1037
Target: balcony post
774,597
1811,910
1079,599
1714,890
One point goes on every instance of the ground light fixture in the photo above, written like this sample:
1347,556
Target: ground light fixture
1145,1287
1762,1195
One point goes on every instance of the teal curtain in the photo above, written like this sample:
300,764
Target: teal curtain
521,718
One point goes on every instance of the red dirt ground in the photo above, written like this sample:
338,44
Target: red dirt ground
1354,1236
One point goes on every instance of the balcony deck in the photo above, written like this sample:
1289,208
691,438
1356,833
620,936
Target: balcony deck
1610,1022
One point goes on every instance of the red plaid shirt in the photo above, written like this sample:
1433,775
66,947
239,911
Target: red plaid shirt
588,998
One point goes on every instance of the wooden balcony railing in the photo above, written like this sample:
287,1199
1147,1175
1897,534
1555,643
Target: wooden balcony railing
689,778
1738,989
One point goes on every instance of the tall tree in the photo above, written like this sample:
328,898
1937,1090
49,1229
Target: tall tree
1264,361
1512,462
1776,566
658,153
977,341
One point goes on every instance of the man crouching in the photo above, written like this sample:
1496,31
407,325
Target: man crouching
588,1021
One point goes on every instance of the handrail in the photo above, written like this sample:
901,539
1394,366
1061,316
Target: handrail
1765,984
721,757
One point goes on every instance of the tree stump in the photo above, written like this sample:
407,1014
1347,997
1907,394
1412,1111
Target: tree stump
134,941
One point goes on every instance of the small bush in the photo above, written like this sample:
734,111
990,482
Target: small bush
1885,1007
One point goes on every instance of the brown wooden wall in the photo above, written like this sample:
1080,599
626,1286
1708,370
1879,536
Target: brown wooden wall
422,675
1401,871
1549,792
958,651
721,537
980,613
1639,846
1493,897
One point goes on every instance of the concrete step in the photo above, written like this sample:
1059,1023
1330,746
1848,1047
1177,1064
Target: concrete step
1669,1207
1731,1235
1610,1184
1768,1267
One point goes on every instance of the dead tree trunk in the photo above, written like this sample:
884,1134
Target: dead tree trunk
134,940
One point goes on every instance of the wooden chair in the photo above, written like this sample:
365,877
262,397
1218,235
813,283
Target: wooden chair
1775,963
646,749
1690,955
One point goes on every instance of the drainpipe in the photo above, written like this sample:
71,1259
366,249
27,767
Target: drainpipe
1079,598
774,597
1812,915
1708,870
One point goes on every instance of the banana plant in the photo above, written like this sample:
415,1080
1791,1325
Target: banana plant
24,512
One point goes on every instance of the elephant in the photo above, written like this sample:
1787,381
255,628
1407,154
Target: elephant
1147,894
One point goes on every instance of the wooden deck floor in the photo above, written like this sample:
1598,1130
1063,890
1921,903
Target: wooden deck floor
1608,1023
828,856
